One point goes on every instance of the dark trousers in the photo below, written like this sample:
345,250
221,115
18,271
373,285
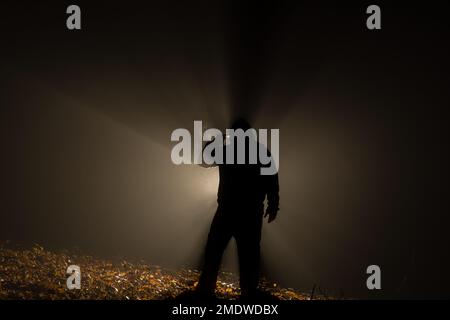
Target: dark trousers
245,226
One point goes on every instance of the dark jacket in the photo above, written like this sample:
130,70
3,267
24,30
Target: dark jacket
243,186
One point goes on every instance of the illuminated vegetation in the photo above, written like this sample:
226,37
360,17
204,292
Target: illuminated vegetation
37,273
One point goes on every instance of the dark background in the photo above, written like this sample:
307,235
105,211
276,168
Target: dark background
86,118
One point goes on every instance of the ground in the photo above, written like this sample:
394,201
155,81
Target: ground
36,273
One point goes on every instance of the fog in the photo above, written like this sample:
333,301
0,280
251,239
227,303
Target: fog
87,117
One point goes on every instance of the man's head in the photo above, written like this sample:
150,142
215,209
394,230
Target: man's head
240,123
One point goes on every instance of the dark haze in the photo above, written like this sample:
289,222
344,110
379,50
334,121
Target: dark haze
86,118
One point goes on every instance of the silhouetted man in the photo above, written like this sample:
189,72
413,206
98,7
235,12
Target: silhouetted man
240,198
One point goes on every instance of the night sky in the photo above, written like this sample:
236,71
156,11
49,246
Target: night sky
86,118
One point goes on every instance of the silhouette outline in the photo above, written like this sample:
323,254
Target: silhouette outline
241,194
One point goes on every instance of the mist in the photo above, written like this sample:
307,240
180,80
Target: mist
87,117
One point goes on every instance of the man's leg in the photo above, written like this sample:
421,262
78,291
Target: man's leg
248,240
218,238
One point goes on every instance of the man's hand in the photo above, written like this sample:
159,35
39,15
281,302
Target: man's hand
271,213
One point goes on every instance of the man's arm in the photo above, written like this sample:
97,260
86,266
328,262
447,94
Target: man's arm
273,198
203,164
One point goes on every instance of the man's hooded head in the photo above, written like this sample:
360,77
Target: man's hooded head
240,123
